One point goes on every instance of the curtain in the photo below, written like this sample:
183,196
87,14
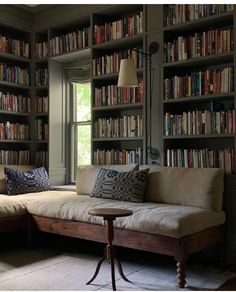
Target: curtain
79,71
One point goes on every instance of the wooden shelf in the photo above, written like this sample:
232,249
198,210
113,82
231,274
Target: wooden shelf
15,58
200,98
41,141
113,76
14,113
14,141
206,60
119,107
72,55
14,85
117,139
122,42
194,25
41,87
202,136
40,114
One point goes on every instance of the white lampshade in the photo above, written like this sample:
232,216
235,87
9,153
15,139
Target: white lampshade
127,74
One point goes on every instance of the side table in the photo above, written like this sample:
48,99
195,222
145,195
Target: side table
109,215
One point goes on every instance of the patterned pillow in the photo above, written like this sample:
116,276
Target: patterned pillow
32,181
124,186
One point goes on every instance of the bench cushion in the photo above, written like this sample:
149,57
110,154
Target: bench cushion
196,187
87,175
162,219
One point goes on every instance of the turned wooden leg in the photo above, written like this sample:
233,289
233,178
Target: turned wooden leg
181,274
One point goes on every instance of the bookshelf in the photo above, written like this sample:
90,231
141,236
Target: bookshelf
198,86
118,114
15,96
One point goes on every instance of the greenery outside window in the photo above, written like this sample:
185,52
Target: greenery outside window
81,126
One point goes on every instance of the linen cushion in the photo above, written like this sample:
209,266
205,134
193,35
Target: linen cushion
87,175
124,186
168,220
3,185
197,187
32,181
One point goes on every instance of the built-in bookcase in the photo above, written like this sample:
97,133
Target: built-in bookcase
15,96
118,113
198,89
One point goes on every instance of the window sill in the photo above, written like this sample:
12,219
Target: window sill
65,188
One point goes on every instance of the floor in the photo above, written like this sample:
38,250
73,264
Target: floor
67,264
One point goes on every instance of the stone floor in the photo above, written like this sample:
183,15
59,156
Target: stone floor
67,264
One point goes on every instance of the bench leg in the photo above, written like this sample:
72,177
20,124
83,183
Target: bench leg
181,274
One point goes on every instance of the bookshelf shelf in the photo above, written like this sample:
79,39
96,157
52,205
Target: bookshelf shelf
130,40
202,61
207,136
118,139
113,76
72,55
119,107
14,113
15,58
201,23
201,98
14,141
41,60
13,85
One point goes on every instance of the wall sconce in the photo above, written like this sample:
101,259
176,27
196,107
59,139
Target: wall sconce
128,78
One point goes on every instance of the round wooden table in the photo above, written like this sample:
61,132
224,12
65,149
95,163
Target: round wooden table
109,215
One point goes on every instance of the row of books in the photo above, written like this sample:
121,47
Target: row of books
200,158
41,77
200,44
180,13
15,103
114,156
72,41
14,74
12,46
111,63
41,130
199,83
41,158
15,131
124,27
41,50
41,104
126,126
199,122
13,157
113,95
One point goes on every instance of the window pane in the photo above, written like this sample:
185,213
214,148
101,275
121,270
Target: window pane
83,102
83,145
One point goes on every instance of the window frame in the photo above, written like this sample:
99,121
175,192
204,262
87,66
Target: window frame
73,124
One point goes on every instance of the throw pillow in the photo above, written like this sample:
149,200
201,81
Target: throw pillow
32,181
124,186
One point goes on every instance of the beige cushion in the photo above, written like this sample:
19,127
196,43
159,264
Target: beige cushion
87,174
197,187
163,219
3,186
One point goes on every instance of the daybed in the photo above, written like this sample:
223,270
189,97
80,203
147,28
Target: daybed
181,214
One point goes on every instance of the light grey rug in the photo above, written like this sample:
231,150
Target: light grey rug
44,269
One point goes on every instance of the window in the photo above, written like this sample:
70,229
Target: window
81,126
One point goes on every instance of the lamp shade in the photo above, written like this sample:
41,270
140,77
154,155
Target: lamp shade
127,74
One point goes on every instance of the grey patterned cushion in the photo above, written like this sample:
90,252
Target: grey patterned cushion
35,180
124,186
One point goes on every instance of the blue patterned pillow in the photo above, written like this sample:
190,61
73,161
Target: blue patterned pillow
32,181
124,186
